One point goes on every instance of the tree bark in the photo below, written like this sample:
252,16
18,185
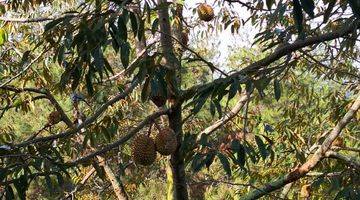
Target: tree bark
175,117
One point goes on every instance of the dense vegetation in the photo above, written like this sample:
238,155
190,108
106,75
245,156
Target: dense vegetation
134,99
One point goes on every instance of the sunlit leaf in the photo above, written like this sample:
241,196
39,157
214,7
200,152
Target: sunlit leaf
3,36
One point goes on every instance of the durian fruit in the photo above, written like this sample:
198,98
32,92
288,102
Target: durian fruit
54,118
143,150
205,12
166,142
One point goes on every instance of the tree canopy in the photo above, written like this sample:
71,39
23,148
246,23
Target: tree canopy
135,99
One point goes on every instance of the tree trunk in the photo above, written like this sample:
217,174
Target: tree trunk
177,161
175,117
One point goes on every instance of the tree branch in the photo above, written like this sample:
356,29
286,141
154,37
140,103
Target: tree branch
349,161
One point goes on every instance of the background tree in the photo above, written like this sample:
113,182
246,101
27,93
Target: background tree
79,80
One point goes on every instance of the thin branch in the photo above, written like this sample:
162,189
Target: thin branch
26,20
19,90
335,148
247,5
349,161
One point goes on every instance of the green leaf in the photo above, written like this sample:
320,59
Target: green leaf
343,194
98,56
89,83
60,179
3,36
204,140
199,103
198,162
277,89
154,26
239,149
308,6
21,186
134,24
251,152
53,23
355,6
209,159
115,37
145,92
9,193
122,28
212,108
99,170
328,10
49,184
269,3
298,16
106,133
141,30
235,145
218,107
262,148
233,88
225,163
60,55
125,54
